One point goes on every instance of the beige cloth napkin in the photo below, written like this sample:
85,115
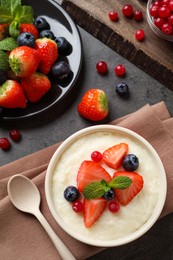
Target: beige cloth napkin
21,235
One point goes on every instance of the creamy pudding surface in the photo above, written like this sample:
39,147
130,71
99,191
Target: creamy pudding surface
130,217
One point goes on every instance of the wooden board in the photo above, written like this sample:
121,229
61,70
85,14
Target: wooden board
154,55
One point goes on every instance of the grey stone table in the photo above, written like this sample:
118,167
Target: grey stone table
63,120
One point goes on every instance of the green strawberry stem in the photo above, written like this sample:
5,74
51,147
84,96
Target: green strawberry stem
15,65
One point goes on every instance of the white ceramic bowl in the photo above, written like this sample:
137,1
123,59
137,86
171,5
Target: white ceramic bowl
89,236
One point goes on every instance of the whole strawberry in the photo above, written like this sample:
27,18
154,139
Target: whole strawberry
12,95
24,61
48,52
94,105
35,86
29,27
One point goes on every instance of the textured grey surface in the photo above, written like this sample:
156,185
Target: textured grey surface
63,120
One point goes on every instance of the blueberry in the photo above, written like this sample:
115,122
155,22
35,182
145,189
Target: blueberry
71,193
26,39
130,162
47,34
41,24
3,76
60,70
109,195
64,47
122,89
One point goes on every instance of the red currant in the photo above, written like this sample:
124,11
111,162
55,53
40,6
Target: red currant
138,15
114,206
154,10
113,15
102,67
159,22
164,2
77,206
167,28
164,11
15,135
120,70
170,19
5,144
140,35
157,3
96,156
127,10
171,6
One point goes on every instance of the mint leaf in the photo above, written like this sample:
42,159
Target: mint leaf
4,64
7,10
5,16
8,44
14,29
23,14
94,190
105,185
10,5
120,182
11,11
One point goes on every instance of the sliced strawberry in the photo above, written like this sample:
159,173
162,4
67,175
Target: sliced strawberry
24,61
126,195
94,105
90,171
12,95
114,155
28,27
35,86
93,209
48,52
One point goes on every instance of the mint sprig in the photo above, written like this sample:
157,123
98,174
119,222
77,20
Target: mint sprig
11,11
96,190
8,44
120,182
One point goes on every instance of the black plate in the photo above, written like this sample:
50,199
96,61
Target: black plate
61,25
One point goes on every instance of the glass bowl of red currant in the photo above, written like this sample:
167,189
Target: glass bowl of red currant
160,18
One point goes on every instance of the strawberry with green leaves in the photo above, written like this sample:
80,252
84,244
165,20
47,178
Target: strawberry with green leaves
124,196
94,105
12,95
48,52
24,61
114,155
35,86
